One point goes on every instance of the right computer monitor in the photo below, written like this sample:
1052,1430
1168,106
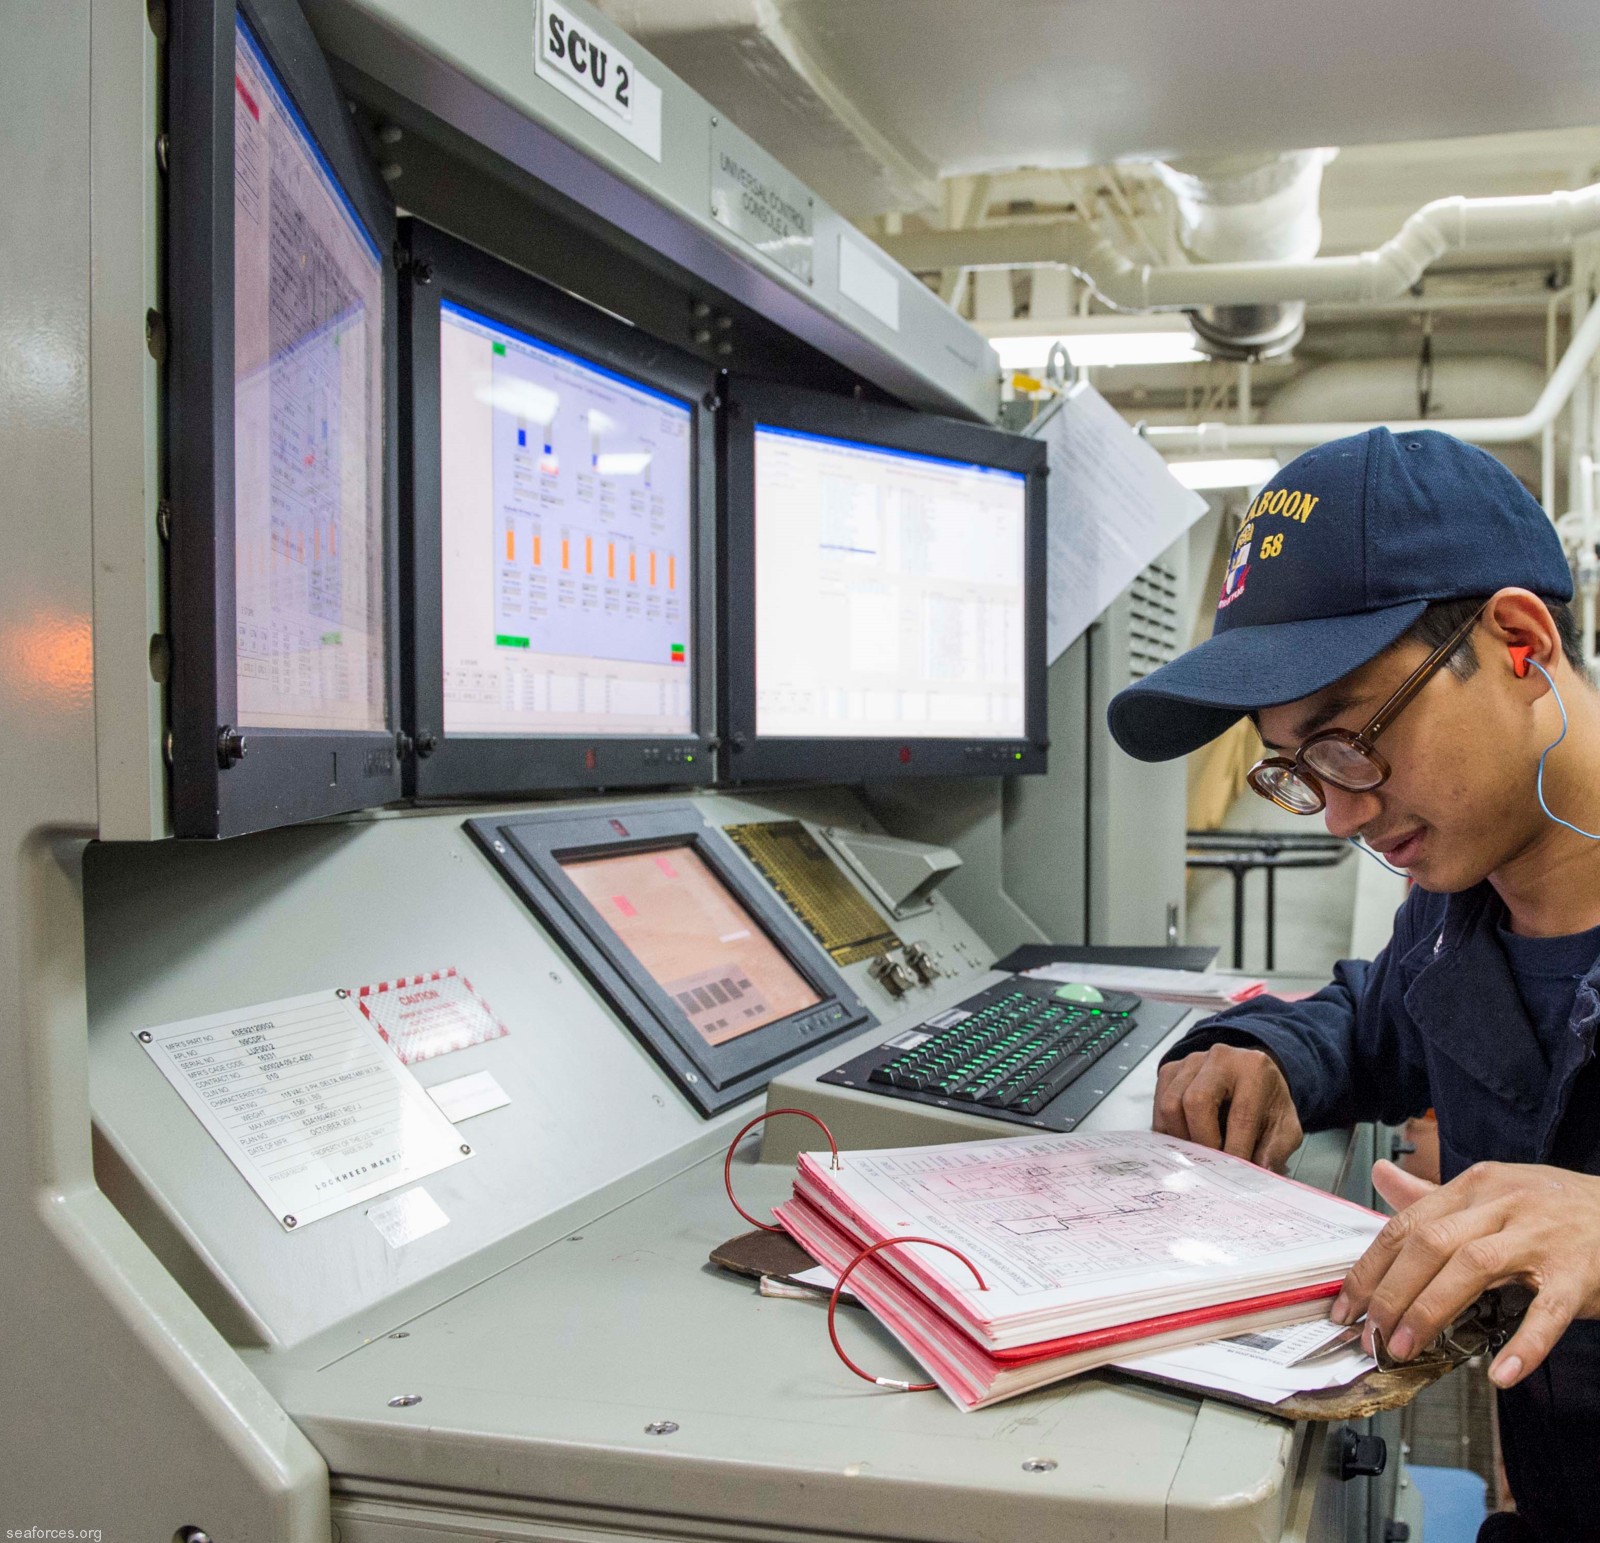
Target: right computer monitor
885,601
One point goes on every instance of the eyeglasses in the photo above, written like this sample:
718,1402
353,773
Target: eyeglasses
1347,761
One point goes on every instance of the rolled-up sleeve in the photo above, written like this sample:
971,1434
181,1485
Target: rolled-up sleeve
1349,1053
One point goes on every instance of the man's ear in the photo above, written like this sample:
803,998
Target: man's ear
1520,622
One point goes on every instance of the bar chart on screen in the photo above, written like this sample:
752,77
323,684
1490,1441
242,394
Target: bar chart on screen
567,496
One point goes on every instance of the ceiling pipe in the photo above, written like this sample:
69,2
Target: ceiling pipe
1261,210
1537,221
1484,431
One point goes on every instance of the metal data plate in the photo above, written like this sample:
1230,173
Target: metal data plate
1153,1021
789,858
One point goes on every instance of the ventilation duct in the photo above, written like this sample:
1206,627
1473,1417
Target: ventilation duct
1536,222
1235,210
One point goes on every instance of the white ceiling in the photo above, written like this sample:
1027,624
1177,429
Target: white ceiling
918,116
874,101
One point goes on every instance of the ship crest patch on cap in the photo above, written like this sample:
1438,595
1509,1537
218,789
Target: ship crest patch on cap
1285,503
1238,566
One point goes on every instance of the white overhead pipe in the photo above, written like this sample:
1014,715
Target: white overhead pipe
1484,431
1263,211
1445,225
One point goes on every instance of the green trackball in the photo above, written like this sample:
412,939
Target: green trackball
1073,991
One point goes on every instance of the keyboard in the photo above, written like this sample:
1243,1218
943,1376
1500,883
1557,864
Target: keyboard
1024,1051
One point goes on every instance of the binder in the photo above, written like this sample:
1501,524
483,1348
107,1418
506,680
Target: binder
974,1377
1006,1265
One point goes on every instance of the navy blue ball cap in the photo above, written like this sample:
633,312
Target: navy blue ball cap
1337,556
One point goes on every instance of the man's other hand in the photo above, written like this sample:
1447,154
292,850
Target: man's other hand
1496,1222
1231,1098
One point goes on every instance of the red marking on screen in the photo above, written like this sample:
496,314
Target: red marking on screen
905,755
248,100
623,904
589,763
666,867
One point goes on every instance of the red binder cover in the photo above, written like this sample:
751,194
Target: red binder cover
974,1377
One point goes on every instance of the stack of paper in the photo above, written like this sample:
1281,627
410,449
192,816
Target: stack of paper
1091,1248
1192,988
1266,1366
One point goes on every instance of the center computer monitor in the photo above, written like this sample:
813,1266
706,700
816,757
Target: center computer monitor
558,537
691,949
885,608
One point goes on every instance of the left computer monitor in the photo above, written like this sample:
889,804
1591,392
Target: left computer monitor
279,335
559,537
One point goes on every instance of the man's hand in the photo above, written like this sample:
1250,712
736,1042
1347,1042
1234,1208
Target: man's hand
1497,1222
1231,1098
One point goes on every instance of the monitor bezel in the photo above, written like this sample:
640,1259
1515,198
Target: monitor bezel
529,850
284,775
484,766
749,757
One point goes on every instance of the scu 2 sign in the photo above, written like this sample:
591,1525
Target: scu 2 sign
597,75
588,61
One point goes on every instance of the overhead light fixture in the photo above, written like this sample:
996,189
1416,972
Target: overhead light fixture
1095,342
1243,472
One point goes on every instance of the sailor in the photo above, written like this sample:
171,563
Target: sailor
1398,630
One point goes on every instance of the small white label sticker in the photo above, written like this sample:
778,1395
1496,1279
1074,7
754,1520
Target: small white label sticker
597,75
908,1040
868,280
405,1217
462,1097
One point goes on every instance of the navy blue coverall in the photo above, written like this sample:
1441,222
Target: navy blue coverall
1436,1020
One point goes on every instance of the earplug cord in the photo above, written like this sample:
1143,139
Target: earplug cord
1539,785
1361,846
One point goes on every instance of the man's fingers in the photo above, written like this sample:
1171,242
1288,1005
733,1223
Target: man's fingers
1381,1253
1202,1106
1467,1240
1546,1321
1171,1083
1246,1118
1398,1187
1485,1259
1278,1143
1230,1098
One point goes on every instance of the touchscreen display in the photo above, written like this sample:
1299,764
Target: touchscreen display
694,938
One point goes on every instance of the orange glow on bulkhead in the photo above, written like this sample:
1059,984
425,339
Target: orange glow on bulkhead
48,659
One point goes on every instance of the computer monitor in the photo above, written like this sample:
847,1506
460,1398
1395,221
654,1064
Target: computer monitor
702,962
281,339
560,537
885,605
